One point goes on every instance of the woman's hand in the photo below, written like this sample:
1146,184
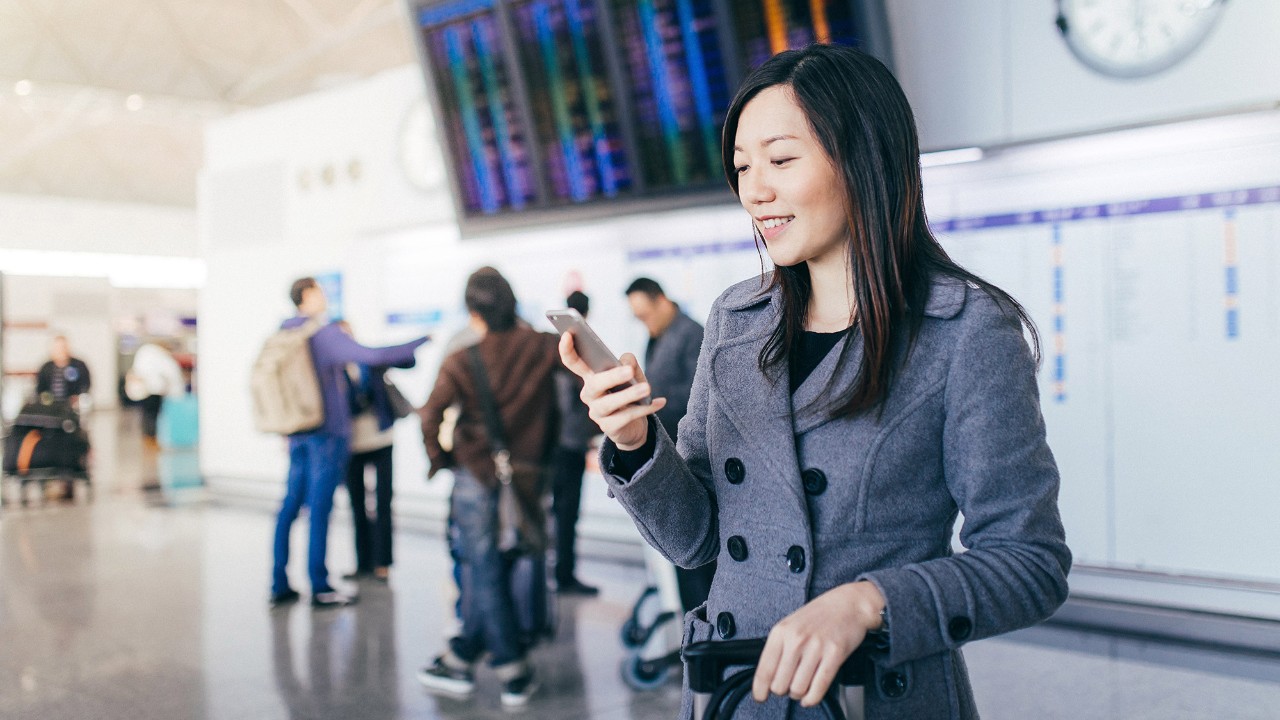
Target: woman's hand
805,650
618,414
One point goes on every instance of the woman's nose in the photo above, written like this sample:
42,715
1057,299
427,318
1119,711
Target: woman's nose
753,189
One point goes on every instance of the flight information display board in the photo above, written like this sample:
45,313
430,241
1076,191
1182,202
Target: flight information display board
547,105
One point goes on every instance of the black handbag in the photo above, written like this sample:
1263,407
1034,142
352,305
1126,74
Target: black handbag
400,405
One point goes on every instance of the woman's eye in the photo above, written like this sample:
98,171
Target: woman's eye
740,169
782,161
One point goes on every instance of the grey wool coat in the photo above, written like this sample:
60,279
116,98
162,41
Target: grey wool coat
794,502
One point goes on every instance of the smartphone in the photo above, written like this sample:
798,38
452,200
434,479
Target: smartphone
590,347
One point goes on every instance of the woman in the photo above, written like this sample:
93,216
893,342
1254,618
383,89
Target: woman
842,414
372,445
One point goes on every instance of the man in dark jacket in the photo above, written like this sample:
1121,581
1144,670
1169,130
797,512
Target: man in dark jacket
672,354
675,340
519,364
63,377
318,458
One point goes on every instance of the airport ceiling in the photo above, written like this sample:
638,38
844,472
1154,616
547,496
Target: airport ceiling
107,99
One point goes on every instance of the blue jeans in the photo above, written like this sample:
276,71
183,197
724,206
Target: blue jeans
488,609
317,465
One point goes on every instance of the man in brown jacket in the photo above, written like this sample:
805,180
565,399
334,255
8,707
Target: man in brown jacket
519,363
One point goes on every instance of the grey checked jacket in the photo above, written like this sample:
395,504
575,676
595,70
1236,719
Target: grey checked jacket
794,503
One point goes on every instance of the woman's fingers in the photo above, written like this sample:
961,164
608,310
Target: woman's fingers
765,668
569,356
822,677
610,403
804,672
792,654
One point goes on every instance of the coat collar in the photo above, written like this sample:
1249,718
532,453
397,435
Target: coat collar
763,408
946,296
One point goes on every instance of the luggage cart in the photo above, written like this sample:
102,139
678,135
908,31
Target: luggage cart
652,633
45,444
716,698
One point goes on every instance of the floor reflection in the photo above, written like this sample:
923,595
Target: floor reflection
150,602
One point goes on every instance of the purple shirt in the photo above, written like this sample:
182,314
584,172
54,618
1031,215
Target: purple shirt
331,350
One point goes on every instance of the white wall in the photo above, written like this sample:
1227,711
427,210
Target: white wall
988,72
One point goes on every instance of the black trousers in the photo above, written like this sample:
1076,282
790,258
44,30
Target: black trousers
566,501
150,413
373,535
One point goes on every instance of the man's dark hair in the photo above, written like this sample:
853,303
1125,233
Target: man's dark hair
490,296
646,286
579,301
295,292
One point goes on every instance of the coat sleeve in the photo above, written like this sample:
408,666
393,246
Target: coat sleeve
443,394
671,497
1002,475
341,349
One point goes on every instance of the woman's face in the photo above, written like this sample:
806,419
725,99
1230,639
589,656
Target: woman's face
786,181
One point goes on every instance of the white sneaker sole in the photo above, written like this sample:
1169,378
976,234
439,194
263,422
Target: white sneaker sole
446,686
521,700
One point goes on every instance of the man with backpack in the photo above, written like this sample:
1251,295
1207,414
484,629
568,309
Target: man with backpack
316,416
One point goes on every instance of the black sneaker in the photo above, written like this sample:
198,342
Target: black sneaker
517,691
577,587
439,677
332,598
283,598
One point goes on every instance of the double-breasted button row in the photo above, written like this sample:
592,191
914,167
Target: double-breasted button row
795,559
893,684
737,548
725,625
734,471
814,480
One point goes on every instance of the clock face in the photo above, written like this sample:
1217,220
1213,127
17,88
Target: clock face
1135,38
419,155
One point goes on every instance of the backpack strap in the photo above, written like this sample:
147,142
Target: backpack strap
497,437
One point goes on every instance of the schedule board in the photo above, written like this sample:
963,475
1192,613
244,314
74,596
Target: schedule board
547,106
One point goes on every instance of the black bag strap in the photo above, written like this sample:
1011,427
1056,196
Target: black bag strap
484,391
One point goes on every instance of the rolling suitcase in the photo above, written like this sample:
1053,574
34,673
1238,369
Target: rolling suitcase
46,436
716,697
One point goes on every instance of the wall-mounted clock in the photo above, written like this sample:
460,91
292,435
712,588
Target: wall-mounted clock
1135,38
417,153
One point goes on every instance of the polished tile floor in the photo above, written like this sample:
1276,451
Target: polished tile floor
149,602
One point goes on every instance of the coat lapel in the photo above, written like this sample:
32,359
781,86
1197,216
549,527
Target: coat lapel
816,397
758,406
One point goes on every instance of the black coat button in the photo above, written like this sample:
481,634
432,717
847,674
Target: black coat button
795,559
737,548
960,628
734,471
893,684
726,626
815,481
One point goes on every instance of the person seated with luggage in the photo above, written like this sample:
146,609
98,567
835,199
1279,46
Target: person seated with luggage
505,379
63,377
846,406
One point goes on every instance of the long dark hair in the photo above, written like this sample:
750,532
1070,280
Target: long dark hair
863,121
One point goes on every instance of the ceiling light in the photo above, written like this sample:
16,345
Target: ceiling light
133,102
22,87
950,157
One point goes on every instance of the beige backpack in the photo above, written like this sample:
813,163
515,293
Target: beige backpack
286,389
